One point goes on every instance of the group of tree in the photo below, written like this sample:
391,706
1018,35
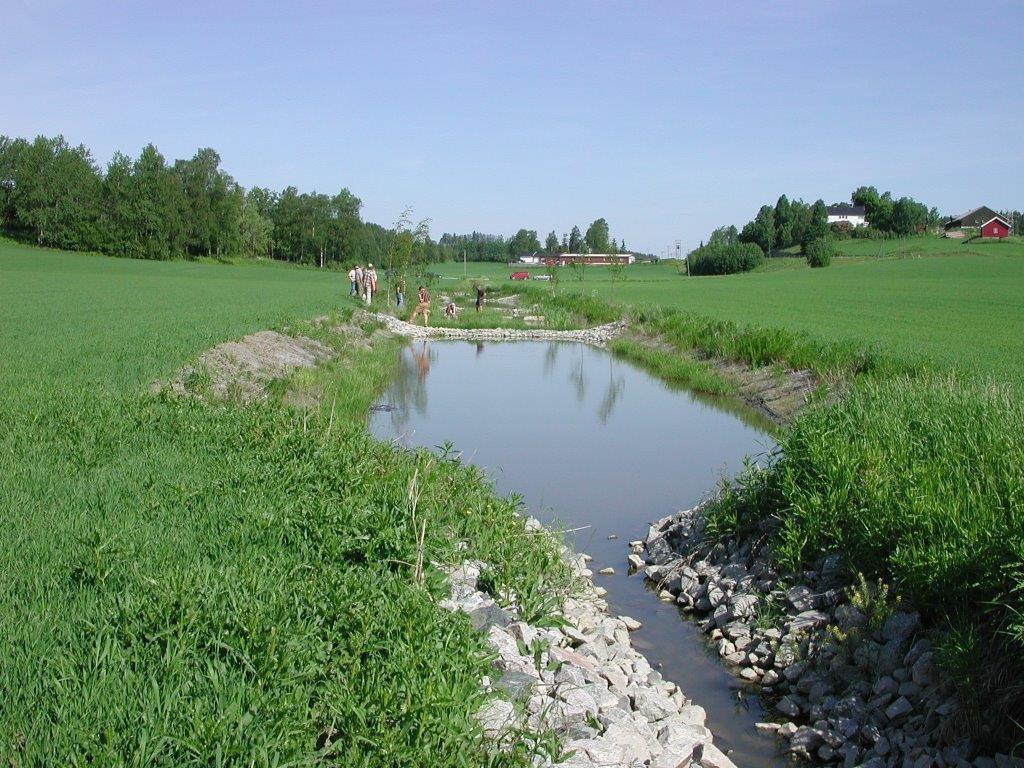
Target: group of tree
473,247
480,247
784,225
796,223
54,194
905,216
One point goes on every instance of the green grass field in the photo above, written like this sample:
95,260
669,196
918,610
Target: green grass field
959,310
191,584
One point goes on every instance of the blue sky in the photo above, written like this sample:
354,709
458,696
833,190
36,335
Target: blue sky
666,118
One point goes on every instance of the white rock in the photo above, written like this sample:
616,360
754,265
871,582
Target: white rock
607,571
713,757
631,624
599,751
653,704
693,714
673,758
631,739
496,716
675,733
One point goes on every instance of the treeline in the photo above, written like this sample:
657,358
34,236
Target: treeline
54,194
796,223
480,247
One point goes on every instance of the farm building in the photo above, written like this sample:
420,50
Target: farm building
596,259
984,219
847,215
530,257
564,259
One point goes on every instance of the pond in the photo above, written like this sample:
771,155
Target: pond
599,447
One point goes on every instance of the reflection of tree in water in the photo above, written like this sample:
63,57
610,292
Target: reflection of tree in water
408,391
578,376
616,386
550,357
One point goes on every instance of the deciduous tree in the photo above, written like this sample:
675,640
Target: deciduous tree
597,237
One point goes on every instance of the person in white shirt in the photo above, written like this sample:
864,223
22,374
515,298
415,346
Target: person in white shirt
352,281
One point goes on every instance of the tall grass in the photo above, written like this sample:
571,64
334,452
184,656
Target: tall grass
676,369
919,482
759,346
587,309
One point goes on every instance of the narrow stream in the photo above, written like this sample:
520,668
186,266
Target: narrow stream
594,444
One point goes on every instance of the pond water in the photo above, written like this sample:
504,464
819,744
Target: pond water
598,446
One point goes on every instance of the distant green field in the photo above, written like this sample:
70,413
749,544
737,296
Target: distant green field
118,323
961,310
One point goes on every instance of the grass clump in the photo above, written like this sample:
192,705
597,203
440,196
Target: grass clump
234,586
585,309
674,368
918,483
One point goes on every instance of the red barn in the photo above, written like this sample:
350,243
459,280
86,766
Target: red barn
981,221
995,227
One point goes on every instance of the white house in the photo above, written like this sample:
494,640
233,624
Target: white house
847,215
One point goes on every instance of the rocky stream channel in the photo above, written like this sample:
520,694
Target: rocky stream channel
848,684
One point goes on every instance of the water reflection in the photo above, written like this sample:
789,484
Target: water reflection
550,358
408,391
578,376
616,386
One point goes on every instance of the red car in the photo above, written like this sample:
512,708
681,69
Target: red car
520,276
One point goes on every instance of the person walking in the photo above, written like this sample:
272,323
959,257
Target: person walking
399,292
479,298
373,280
422,306
366,287
358,292
352,281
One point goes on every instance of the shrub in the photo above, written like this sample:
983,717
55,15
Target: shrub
725,259
869,233
841,230
819,252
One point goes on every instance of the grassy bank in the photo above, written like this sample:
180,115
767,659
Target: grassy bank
913,475
918,484
682,370
192,584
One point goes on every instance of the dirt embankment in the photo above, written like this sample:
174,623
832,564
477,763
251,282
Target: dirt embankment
775,392
244,370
